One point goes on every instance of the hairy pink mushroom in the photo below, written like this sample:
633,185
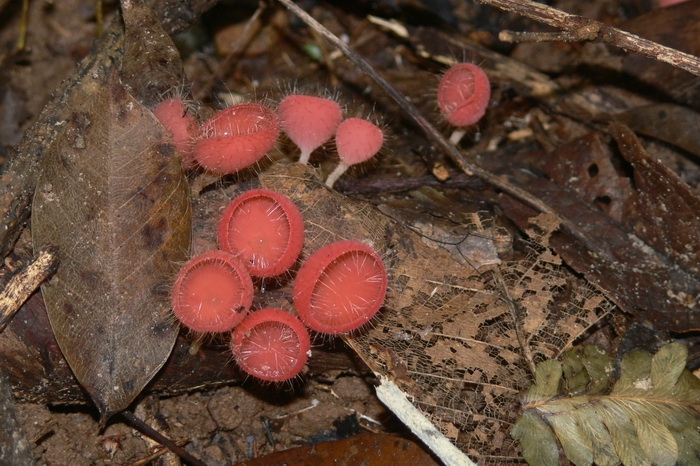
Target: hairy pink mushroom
309,121
264,229
340,287
212,292
357,141
463,94
173,115
236,138
271,344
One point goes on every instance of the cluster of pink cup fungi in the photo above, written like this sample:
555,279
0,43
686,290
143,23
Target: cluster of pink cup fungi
338,288
241,135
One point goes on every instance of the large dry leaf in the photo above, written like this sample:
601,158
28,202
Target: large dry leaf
114,200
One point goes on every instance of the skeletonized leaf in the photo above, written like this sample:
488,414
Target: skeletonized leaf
455,336
114,200
651,415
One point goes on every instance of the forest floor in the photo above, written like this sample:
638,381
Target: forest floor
411,180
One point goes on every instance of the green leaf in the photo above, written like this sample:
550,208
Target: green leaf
587,370
599,366
667,366
656,440
635,374
687,436
650,415
623,433
538,440
547,379
592,427
577,446
575,374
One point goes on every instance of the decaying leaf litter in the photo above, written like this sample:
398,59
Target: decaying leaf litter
448,293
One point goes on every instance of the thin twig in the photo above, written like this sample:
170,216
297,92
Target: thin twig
394,398
589,29
468,167
24,283
251,29
589,32
145,429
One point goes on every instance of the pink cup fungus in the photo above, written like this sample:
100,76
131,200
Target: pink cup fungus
357,141
463,94
309,121
212,293
264,229
236,138
173,115
340,287
271,344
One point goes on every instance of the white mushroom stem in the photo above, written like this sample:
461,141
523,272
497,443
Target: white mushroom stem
457,135
337,173
304,157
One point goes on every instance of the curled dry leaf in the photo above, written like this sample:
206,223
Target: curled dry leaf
642,241
113,199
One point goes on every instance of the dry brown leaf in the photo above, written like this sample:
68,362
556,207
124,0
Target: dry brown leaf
114,200
151,66
671,123
375,449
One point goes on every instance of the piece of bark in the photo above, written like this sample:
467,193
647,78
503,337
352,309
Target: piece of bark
25,282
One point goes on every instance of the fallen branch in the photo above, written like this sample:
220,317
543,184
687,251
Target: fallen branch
580,28
24,283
